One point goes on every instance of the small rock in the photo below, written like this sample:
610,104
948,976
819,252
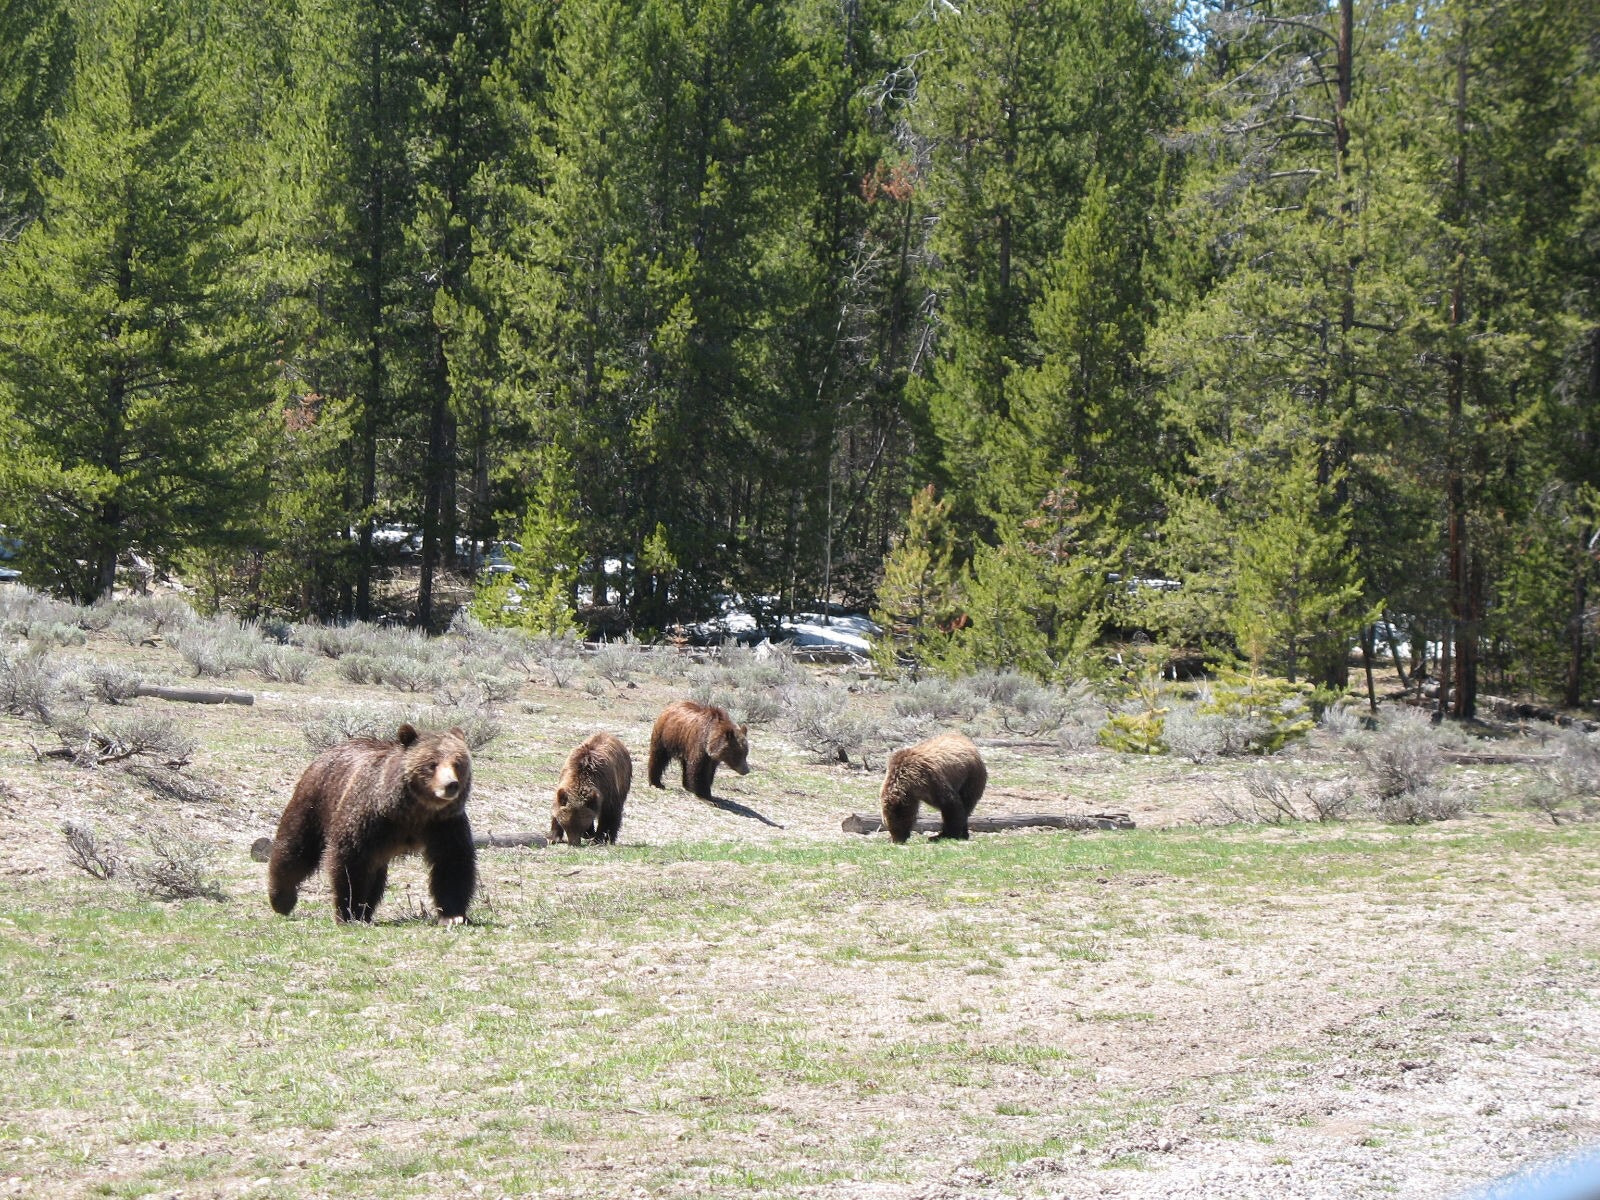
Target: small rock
261,849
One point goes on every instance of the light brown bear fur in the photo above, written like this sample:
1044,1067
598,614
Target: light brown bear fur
946,771
592,790
702,736
367,801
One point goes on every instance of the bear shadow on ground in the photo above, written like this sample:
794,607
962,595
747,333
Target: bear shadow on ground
741,810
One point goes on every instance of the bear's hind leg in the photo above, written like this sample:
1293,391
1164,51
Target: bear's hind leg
953,812
358,885
972,787
296,851
659,758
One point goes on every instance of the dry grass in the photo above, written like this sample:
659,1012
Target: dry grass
740,1000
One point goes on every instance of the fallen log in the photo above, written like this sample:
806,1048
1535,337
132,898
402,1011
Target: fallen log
872,822
1468,758
195,695
261,848
481,840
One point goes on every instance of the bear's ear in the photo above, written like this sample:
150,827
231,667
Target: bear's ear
406,734
744,731
562,798
457,730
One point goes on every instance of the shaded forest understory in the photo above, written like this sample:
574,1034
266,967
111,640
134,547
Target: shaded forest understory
1269,328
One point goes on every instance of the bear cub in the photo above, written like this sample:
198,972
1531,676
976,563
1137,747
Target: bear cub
367,801
592,790
702,736
946,771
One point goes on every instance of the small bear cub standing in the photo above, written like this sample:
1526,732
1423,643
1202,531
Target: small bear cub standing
701,735
946,772
593,788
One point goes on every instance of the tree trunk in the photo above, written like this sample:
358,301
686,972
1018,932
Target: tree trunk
1572,696
1462,628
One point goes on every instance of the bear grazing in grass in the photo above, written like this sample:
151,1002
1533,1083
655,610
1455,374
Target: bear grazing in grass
946,771
593,788
702,736
366,801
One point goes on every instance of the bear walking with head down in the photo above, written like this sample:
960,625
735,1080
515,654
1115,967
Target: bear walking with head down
593,788
702,736
946,771
367,801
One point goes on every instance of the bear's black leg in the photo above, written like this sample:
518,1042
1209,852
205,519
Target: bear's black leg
365,904
699,779
972,787
610,823
453,876
296,851
659,758
953,816
358,884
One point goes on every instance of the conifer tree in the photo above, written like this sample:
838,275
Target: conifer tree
1038,599
1296,582
918,598
35,59
131,369
1027,109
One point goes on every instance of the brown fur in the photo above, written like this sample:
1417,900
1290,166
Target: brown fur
367,801
593,788
702,736
946,771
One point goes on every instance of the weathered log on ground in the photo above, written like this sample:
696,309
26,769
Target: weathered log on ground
195,695
872,822
481,840
261,848
1467,758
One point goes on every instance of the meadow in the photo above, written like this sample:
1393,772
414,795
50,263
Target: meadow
740,999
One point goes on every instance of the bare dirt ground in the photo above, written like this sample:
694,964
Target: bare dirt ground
1133,1030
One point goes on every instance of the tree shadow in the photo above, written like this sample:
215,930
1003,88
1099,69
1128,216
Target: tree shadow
742,810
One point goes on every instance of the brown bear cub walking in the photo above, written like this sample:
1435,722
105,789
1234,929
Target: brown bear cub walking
593,788
367,801
702,736
945,771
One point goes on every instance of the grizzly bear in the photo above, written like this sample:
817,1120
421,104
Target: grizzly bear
702,736
593,788
945,771
366,801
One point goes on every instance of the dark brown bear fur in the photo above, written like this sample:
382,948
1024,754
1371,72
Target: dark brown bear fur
367,801
946,771
592,790
702,736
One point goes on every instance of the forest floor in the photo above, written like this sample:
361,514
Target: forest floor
742,1000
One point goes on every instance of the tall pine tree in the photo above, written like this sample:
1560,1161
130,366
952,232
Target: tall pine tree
131,368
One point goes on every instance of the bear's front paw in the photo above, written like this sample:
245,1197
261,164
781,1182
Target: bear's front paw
452,920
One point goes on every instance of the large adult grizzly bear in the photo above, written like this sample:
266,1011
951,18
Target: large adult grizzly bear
945,771
367,801
702,736
592,790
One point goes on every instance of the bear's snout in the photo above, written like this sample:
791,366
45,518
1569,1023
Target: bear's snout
445,784
743,768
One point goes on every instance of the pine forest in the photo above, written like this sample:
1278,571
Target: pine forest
1263,331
